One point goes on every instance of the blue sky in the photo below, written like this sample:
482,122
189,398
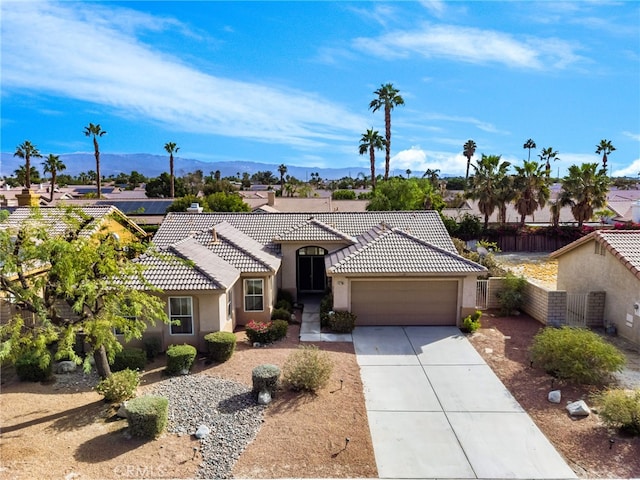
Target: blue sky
290,82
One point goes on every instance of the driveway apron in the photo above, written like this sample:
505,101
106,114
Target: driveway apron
436,410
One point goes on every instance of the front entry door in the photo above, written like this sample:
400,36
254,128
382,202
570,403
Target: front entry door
311,272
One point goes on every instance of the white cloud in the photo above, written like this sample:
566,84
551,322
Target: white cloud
90,52
418,161
634,136
436,7
473,45
632,170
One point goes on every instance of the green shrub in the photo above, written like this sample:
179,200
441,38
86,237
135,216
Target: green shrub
284,305
511,297
575,354
281,314
131,358
147,416
621,409
152,346
343,195
258,332
342,322
34,367
307,368
180,359
265,377
279,329
220,345
471,323
326,306
119,386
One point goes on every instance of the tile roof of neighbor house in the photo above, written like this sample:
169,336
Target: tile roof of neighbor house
390,250
312,230
623,245
425,225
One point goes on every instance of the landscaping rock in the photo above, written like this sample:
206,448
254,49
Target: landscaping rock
122,411
202,431
554,396
264,397
578,409
66,366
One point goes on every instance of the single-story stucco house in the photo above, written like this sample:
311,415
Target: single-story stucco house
220,270
609,261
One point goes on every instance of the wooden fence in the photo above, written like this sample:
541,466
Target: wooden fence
529,243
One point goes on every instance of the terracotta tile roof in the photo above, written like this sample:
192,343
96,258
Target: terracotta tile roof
391,250
622,244
313,230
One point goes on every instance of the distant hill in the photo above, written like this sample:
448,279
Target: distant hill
154,165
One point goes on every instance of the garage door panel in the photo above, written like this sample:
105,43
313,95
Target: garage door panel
405,303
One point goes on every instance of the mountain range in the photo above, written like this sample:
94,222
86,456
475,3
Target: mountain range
153,165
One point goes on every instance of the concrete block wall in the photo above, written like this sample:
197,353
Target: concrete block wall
595,309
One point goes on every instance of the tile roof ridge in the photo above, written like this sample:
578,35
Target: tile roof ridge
227,226
193,264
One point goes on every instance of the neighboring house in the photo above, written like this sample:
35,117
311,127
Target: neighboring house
219,270
609,261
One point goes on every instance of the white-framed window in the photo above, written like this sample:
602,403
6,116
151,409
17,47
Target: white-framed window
181,310
230,304
253,294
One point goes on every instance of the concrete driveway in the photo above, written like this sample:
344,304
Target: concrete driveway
436,410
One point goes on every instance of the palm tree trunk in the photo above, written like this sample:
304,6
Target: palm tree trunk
466,175
53,185
172,188
97,154
372,159
387,124
27,172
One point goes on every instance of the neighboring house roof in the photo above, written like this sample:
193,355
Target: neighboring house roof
623,245
391,250
313,230
425,225
308,205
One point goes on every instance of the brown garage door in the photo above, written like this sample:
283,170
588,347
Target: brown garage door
405,303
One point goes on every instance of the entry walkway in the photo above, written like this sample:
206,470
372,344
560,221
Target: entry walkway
436,410
310,330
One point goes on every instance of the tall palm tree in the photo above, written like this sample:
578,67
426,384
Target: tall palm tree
546,155
605,147
529,144
468,150
25,151
21,174
370,142
505,194
585,190
531,187
171,148
433,175
95,131
53,165
488,184
282,170
388,98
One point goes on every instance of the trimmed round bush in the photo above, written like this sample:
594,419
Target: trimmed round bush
471,323
33,367
220,345
284,305
281,314
180,359
279,329
342,322
258,332
307,368
265,377
131,358
152,346
576,354
621,409
147,416
119,386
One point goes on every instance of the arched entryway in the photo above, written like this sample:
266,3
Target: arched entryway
311,275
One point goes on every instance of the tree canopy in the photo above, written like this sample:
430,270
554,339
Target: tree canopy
405,194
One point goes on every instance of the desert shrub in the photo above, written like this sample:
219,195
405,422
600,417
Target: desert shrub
342,322
119,386
471,323
131,358
180,359
258,332
511,297
152,347
326,306
279,329
284,305
621,409
575,354
281,314
343,195
220,345
33,367
284,295
265,377
147,416
307,368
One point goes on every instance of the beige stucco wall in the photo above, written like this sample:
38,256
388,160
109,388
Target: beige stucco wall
270,294
582,270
